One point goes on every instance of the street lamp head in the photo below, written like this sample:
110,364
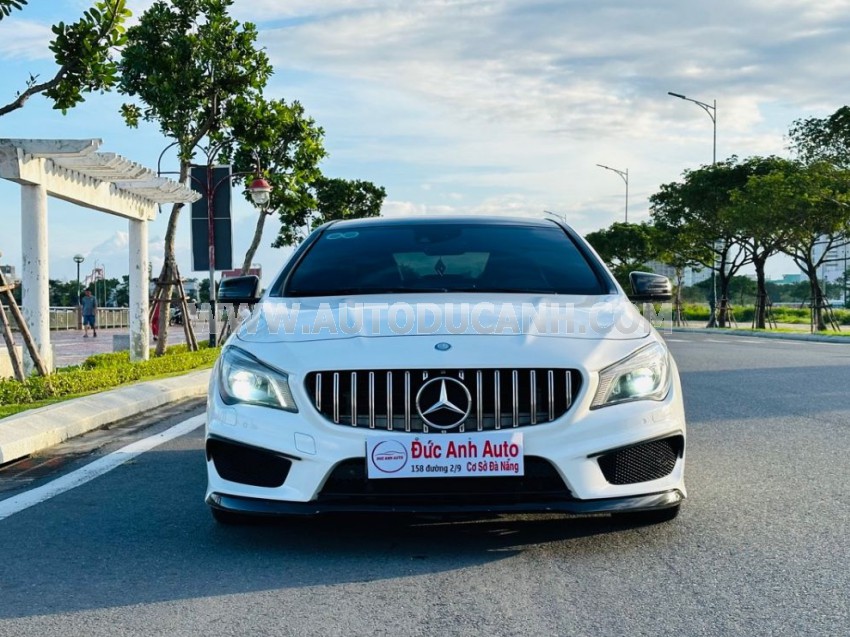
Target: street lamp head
679,95
260,191
78,258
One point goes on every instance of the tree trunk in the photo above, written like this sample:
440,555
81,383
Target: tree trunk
723,277
818,323
761,292
255,242
169,267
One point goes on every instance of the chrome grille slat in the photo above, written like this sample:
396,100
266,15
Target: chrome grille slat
551,379
497,393
390,401
515,397
354,399
318,397
479,399
407,405
533,390
336,397
498,397
371,400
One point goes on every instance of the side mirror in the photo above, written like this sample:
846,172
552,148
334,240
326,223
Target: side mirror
239,289
650,288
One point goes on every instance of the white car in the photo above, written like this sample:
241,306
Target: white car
445,365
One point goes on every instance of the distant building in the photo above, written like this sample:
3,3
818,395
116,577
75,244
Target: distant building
790,279
833,267
692,276
9,273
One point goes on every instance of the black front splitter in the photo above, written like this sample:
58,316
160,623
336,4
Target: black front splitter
257,506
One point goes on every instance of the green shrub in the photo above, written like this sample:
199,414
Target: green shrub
103,371
781,314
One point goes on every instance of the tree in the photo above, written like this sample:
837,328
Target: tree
6,7
84,53
188,61
678,254
762,224
280,141
624,247
823,139
812,202
335,199
693,210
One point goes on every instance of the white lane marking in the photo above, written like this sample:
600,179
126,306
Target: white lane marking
97,468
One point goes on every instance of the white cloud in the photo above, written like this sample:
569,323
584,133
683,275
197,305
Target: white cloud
24,40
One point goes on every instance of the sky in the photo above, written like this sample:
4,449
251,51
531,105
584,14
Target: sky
473,106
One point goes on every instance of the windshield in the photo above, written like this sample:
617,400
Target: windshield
442,258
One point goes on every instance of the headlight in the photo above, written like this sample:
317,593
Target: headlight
644,375
244,379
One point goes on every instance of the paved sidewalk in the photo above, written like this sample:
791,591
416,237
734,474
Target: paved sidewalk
71,348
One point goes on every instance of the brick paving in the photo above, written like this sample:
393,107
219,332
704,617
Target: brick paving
71,348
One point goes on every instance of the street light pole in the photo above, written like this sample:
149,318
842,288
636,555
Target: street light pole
711,109
260,191
555,214
78,259
624,175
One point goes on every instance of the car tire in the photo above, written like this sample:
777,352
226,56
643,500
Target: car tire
231,518
643,518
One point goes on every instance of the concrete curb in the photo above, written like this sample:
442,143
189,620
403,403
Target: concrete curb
35,430
787,336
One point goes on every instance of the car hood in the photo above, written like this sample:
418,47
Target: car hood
610,317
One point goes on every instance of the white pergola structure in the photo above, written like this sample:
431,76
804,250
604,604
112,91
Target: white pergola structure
73,170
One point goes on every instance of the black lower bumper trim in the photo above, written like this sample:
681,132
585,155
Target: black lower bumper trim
257,506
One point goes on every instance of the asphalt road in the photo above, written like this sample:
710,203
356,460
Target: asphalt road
761,547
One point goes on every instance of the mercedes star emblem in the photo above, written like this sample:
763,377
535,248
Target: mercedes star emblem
443,403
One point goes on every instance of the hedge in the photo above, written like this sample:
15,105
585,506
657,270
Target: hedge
103,371
781,314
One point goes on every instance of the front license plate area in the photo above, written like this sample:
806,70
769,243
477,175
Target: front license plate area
445,455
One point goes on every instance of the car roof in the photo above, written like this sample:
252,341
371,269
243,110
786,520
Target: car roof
409,220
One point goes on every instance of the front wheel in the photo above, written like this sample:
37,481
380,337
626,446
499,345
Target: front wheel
642,518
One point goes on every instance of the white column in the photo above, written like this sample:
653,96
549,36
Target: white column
139,325
34,275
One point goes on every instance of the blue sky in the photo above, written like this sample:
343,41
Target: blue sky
475,106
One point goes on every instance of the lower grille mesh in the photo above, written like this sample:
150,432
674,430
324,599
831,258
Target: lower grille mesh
541,482
642,462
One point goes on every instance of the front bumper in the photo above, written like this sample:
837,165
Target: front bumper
258,506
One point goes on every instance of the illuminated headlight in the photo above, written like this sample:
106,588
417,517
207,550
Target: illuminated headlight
644,375
244,379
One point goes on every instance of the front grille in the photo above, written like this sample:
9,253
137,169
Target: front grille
247,465
498,398
541,482
642,462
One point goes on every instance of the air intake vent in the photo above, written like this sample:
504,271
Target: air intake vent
247,465
642,462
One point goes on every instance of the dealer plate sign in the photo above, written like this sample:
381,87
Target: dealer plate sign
441,455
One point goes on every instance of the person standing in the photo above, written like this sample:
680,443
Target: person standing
155,320
89,304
